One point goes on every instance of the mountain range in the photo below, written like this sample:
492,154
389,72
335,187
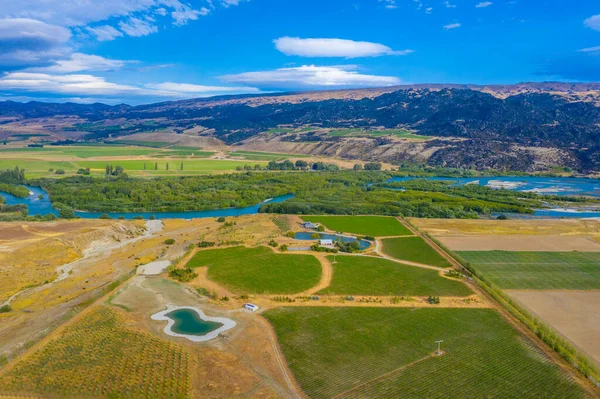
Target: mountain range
527,126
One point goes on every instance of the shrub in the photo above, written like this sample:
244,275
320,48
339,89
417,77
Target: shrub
434,300
290,234
5,309
59,172
206,244
183,275
138,218
273,243
221,219
104,216
49,217
283,248
152,217
170,241
321,228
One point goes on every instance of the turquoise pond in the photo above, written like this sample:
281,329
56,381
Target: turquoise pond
188,322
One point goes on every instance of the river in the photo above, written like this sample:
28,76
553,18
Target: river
541,185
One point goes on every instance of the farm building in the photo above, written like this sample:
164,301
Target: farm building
326,243
310,225
251,307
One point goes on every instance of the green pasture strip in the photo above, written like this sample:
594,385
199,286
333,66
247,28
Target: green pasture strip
356,275
537,270
413,249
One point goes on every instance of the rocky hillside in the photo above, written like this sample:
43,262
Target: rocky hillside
518,127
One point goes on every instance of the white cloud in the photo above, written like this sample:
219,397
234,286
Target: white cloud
63,84
200,89
104,33
484,4
82,62
590,50
452,26
182,16
449,5
593,22
311,76
137,27
333,48
88,85
25,41
391,4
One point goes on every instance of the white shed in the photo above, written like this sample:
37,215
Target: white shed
251,307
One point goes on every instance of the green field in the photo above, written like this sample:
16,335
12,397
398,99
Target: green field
354,275
78,151
259,270
376,226
537,270
413,249
134,167
264,156
341,351
401,133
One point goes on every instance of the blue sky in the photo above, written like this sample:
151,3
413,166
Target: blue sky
140,51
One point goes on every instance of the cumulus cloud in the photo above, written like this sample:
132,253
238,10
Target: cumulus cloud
452,26
593,22
104,33
25,41
484,4
333,48
311,76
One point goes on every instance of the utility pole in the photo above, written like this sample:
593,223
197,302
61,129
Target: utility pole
439,352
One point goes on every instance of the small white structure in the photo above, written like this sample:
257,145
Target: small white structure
251,307
326,243
309,225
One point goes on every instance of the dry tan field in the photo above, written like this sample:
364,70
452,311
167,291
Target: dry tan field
572,313
514,235
521,243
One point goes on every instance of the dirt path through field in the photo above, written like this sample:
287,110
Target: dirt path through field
326,275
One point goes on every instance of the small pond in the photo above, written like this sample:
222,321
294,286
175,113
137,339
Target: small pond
307,235
192,323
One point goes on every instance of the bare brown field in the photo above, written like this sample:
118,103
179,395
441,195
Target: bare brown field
574,314
521,243
547,227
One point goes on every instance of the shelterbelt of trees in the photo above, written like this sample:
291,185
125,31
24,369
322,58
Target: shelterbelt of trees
324,192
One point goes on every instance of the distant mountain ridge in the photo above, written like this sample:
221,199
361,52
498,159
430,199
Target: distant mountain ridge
563,117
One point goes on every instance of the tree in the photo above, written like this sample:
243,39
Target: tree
181,167
167,166
301,164
66,212
358,167
373,166
144,165
107,171
155,165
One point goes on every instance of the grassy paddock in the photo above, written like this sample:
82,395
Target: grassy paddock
259,270
537,270
401,133
353,275
413,249
334,351
377,226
